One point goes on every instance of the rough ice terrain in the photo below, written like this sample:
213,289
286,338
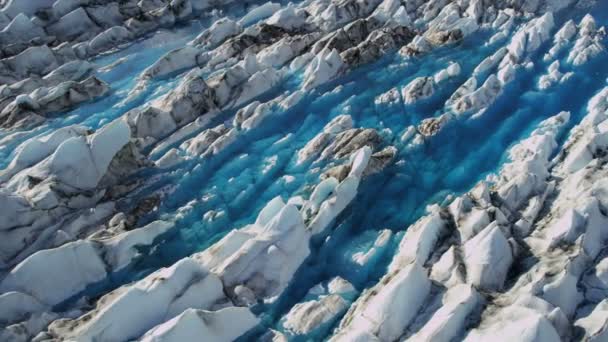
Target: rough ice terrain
313,170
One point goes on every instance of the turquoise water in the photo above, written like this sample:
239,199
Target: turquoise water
242,179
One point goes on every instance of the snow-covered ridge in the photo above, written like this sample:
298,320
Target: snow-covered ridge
223,187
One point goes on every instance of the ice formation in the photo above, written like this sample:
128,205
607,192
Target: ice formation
342,170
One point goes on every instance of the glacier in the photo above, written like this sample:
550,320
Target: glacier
305,170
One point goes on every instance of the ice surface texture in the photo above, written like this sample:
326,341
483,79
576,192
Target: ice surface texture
344,170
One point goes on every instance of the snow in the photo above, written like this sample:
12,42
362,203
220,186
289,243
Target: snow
381,315
379,245
218,32
324,302
72,25
259,83
446,271
271,209
567,31
13,7
104,16
72,267
339,285
516,323
70,71
449,321
106,143
20,29
588,45
201,143
474,223
287,18
306,317
321,192
582,153
129,312
596,324
38,60
563,293
479,99
173,62
73,164
359,161
452,70
566,229
262,256
54,275
391,97
337,125
343,194
531,36
122,249
222,325
419,89
408,134
418,242
553,77
326,65
591,208
273,111
257,115
260,12
386,9
35,150
16,305
488,257
17,211
530,154
281,52
109,39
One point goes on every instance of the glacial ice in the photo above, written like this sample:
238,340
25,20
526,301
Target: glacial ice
343,170
222,325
